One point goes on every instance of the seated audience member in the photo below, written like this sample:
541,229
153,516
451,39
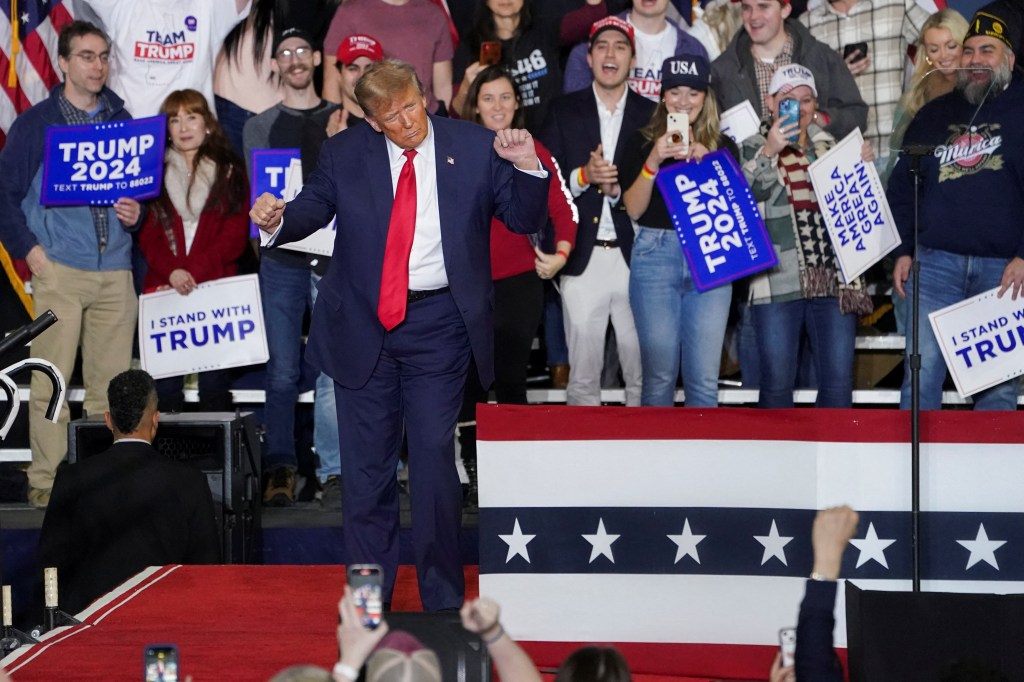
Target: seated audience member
939,50
594,664
972,237
529,51
656,38
414,31
679,327
115,513
888,28
198,228
806,290
400,657
770,39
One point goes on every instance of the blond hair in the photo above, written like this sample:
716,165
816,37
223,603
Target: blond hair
952,21
382,82
706,129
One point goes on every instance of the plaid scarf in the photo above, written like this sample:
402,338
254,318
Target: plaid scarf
75,116
820,274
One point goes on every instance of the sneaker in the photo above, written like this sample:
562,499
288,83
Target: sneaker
330,496
39,497
280,490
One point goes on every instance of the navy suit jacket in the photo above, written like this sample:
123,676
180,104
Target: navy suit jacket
353,181
571,131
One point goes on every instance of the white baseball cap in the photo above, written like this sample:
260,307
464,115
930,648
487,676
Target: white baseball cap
791,76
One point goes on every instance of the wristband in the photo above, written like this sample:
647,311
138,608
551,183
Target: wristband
346,670
494,638
647,172
563,253
582,178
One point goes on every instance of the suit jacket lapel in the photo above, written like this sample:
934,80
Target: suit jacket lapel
632,119
378,171
446,169
591,120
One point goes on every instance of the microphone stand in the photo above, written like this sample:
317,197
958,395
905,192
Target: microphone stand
916,153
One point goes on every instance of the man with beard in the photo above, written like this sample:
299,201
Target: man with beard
972,197
288,279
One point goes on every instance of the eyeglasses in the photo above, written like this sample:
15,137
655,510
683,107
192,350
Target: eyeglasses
297,53
91,57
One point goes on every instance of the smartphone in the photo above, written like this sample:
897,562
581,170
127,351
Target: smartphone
365,581
679,129
862,48
161,663
789,113
787,645
490,52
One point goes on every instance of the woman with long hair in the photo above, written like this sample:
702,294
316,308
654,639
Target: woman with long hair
519,265
679,327
198,228
938,56
806,291
528,49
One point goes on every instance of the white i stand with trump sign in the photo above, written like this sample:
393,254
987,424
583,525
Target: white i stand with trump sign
982,340
854,207
217,326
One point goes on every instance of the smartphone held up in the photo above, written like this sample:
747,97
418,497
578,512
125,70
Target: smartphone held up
161,663
365,582
789,115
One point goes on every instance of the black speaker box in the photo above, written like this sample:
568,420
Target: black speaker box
224,446
898,636
463,656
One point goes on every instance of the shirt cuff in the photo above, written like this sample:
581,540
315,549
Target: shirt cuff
542,173
267,239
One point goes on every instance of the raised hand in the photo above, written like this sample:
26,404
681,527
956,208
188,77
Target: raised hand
266,213
516,145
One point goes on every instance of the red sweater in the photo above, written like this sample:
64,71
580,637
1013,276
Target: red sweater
512,254
219,242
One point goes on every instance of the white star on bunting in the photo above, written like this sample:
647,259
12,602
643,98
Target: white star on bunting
686,543
982,549
517,543
774,545
601,543
871,547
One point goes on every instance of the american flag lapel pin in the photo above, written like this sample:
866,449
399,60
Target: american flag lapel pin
451,161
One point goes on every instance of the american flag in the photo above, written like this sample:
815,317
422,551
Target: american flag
684,535
28,68
28,54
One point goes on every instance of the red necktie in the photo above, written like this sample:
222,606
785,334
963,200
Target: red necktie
394,282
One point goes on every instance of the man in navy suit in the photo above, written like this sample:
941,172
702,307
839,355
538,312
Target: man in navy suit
587,131
404,369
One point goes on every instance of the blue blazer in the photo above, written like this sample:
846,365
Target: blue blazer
571,131
353,181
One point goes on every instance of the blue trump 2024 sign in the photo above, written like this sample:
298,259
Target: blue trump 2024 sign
269,169
716,218
97,164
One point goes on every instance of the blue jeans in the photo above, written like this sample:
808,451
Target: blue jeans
232,119
948,278
325,419
678,326
832,335
554,327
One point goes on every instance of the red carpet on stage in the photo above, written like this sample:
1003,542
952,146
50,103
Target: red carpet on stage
230,623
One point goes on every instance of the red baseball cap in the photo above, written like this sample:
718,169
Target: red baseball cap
359,45
616,24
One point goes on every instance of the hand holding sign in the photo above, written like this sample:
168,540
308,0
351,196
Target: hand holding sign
267,212
128,211
182,281
1013,276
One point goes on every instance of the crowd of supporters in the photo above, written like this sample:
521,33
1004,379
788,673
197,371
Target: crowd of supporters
604,284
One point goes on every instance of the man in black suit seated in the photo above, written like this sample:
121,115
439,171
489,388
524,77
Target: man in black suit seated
115,513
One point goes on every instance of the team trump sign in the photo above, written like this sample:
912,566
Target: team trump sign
217,326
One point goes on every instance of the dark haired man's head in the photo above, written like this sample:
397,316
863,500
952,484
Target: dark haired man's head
78,29
132,400
594,664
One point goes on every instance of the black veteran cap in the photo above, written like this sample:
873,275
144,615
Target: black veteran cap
1000,20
